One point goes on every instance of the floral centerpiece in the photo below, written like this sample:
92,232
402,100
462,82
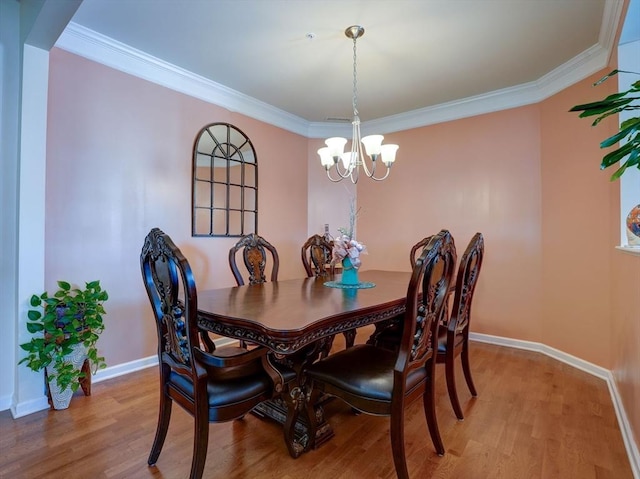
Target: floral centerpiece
347,250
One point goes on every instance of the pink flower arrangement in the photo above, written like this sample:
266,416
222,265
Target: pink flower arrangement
345,247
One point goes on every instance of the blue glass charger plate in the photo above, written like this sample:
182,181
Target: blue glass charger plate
338,284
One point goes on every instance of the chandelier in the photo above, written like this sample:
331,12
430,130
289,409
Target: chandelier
347,164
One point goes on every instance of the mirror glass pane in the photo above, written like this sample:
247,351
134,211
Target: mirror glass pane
203,219
250,175
249,219
249,199
235,223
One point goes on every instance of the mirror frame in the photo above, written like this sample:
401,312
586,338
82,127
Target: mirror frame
232,149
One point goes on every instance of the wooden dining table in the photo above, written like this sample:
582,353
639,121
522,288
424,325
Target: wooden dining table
290,315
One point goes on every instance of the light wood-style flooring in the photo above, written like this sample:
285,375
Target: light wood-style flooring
534,418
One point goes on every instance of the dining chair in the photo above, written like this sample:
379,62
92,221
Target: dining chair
383,382
211,386
453,340
316,256
255,257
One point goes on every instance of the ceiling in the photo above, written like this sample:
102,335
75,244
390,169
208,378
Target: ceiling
415,54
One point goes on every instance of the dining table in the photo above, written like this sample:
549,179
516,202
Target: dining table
296,319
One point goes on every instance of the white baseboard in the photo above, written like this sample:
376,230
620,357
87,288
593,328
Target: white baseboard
138,364
29,407
600,372
124,368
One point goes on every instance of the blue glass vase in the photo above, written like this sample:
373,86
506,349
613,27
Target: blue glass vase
349,273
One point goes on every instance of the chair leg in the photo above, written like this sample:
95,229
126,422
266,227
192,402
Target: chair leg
429,402
467,370
200,444
450,367
164,416
397,442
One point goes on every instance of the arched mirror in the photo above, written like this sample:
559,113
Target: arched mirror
225,183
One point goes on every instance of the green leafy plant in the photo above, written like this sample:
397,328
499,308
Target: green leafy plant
629,129
70,317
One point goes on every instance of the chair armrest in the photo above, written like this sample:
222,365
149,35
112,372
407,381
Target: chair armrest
220,361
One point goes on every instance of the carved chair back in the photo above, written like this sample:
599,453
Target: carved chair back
416,248
466,281
316,256
255,255
172,292
426,295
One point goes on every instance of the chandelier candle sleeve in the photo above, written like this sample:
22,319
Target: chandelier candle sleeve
348,164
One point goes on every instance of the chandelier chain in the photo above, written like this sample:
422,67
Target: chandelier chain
355,80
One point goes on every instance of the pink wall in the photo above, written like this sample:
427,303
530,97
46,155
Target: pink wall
625,333
591,291
119,163
476,174
577,225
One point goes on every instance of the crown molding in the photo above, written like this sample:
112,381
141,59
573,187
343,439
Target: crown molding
576,69
112,53
99,48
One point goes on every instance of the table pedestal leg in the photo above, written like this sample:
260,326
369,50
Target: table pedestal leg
288,406
298,442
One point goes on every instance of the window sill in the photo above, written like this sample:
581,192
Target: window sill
629,250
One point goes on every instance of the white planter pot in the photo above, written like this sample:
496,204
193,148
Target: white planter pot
61,399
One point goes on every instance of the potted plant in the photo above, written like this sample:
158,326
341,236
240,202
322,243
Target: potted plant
68,325
628,100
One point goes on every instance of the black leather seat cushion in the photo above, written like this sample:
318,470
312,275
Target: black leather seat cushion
228,392
362,370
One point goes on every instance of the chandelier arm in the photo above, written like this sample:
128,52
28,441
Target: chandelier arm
345,173
336,180
381,178
353,175
368,172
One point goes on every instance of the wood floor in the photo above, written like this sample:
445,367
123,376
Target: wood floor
534,418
